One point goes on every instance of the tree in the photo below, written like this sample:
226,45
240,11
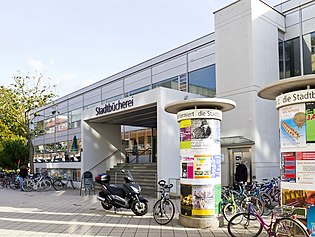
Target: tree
27,94
13,154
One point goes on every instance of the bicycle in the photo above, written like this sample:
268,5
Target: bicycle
164,209
36,182
251,224
60,184
15,182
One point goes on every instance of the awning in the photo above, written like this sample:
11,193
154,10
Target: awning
235,141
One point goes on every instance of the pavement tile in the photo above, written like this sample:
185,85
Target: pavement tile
67,214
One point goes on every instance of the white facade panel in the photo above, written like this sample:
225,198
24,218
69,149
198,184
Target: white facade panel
113,89
292,19
171,72
138,80
292,32
308,26
201,62
308,13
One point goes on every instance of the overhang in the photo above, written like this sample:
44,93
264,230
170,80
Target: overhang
236,141
271,91
141,116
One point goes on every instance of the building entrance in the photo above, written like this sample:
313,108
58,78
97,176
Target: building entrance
139,145
237,156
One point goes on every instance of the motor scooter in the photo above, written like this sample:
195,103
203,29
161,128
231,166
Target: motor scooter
125,196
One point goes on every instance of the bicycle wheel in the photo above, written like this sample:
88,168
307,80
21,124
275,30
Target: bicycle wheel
244,224
258,204
163,211
15,184
47,184
58,185
287,226
268,203
28,185
2,183
230,210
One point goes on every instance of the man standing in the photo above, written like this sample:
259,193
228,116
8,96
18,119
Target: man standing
241,172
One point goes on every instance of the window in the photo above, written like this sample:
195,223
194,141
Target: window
202,81
281,59
292,58
74,119
171,83
309,53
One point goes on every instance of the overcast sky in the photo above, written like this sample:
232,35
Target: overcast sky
78,42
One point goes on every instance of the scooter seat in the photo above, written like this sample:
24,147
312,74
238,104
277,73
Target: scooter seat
116,190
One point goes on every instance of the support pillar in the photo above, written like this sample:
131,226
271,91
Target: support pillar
200,154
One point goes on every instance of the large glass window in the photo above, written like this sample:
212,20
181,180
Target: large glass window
292,58
202,81
75,118
171,83
309,53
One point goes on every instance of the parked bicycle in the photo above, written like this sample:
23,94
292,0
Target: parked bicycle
251,224
37,182
60,184
164,209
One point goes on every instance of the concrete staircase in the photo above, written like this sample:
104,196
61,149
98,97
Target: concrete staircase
145,174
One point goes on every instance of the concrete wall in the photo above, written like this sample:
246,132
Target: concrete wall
100,140
247,58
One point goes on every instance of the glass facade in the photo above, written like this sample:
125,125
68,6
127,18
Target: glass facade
309,53
290,56
203,81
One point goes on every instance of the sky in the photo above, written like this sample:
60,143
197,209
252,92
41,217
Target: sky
75,43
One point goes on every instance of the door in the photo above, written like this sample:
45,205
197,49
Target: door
238,155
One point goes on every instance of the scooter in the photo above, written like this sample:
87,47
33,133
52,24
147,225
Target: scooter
127,196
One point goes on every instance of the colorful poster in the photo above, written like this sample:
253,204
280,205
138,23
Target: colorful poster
186,199
305,167
310,122
292,126
288,167
202,164
185,134
203,200
187,168
298,198
205,135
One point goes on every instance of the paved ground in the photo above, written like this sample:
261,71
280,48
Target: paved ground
66,213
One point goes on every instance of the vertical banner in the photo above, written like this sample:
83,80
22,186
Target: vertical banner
288,166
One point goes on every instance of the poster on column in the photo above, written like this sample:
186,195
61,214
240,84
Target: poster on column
305,167
187,168
202,164
292,126
185,134
205,133
203,203
310,122
288,166
186,199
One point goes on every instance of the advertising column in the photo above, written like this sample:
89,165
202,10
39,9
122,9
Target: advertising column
297,148
200,155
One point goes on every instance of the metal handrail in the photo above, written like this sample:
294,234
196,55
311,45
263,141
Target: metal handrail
127,164
109,156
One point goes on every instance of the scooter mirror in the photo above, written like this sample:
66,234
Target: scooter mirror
123,171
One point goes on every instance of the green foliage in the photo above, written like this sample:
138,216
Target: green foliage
12,153
16,105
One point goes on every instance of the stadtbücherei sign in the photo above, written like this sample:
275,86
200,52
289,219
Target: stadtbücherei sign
114,106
